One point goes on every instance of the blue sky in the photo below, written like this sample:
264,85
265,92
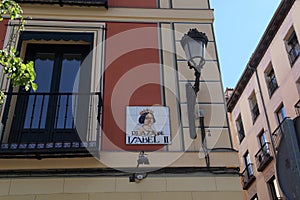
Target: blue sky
238,26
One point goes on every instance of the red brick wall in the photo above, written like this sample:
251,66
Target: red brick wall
131,77
3,27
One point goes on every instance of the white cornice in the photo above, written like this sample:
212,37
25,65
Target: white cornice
118,14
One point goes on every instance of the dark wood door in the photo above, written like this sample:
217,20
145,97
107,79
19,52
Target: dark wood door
47,115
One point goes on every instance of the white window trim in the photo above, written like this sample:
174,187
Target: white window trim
65,26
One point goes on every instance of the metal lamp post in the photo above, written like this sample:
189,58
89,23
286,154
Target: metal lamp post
194,44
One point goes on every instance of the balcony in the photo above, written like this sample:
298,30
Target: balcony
277,135
247,176
38,125
263,157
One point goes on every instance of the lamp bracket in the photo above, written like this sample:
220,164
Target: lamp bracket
197,81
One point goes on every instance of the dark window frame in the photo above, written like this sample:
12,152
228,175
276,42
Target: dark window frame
271,80
248,173
292,47
248,164
240,128
54,96
272,188
47,148
260,137
255,197
254,107
280,113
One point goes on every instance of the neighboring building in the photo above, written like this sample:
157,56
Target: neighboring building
101,65
228,93
263,100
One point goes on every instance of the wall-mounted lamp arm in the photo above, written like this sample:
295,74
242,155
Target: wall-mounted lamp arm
197,74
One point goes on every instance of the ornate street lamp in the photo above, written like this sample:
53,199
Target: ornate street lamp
194,44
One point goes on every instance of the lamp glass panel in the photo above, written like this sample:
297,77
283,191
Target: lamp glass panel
187,52
196,48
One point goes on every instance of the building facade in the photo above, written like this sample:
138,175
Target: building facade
264,101
109,119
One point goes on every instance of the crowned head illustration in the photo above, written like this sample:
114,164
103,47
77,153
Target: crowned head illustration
146,120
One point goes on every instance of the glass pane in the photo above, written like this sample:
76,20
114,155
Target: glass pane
263,139
281,114
248,164
248,159
36,111
44,67
70,69
276,188
68,83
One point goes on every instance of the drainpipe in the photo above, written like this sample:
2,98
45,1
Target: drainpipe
264,108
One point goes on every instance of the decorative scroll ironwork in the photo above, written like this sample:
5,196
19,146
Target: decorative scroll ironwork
247,176
263,157
62,146
277,134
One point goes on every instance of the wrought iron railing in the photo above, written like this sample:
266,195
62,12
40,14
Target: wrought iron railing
50,124
247,176
277,134
263,157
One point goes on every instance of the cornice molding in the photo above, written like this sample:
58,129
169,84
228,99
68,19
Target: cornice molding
55,12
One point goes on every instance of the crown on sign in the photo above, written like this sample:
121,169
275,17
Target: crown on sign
146,111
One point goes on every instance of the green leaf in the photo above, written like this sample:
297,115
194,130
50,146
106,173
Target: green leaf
21,74
34,86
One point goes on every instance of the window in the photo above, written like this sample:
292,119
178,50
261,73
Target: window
247,174
271,80
293,47
47,115
273,188
62,116
263,156
248,164
298,86
262,138
240,128
280,114
253,107
255,197
264,144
